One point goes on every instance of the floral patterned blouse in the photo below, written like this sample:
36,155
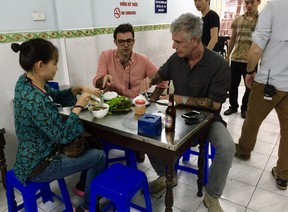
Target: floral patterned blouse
39,125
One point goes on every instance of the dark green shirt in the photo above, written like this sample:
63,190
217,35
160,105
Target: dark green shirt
209,78
39,125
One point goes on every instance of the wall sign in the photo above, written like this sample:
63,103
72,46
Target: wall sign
160,6
125,8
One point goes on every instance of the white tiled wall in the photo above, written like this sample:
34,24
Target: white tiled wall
77,65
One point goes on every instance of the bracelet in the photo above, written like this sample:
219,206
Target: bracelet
78,106
184,100
250,72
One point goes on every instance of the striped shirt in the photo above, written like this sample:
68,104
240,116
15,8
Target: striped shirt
243,28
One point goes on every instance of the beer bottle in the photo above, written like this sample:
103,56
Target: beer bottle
170,116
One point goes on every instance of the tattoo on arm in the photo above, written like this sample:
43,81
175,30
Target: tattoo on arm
156,79
202,103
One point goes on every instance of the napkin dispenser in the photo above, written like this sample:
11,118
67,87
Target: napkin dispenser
150,125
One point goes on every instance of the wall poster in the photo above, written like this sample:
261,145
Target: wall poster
230,9
160,6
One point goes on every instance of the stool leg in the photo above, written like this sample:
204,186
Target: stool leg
186,155
65,195
46,193
10,195
130,158
30,201
147,197
94,198
206,162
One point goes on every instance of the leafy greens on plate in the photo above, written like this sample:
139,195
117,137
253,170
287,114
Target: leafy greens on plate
119,104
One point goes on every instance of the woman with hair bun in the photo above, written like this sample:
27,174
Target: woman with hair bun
39,126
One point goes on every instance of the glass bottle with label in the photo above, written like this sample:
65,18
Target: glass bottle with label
170,116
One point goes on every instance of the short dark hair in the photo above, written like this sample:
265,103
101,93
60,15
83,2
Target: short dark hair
35,50
122,28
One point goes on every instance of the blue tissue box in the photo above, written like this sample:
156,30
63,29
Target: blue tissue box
150,125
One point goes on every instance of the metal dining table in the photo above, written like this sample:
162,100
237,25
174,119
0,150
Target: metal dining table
121,128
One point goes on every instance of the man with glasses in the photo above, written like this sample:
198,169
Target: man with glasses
121,70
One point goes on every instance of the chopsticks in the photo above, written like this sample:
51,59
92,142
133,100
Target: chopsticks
161,103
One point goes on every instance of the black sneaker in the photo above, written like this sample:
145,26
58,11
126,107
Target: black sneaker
230,111
243,114
280,183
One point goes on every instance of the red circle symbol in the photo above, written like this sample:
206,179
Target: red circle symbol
117,12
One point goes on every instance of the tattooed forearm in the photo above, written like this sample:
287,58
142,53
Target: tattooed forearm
154,80
203,103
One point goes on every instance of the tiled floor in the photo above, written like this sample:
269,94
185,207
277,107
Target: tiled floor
250,185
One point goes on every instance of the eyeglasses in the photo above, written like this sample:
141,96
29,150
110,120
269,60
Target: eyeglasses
128,41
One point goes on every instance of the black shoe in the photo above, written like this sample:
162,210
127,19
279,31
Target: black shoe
280,183
230,111
140,157
243,114
241,155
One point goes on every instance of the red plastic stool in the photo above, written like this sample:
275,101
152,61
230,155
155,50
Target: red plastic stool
119,184
30,195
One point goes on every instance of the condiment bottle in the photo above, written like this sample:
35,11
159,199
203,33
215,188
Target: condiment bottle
140,106
170,116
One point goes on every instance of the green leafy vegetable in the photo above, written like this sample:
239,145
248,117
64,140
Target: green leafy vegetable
119,103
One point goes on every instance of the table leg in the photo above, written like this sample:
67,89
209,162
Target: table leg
3,165
169,200
200,180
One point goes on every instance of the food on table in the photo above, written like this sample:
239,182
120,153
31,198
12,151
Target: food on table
119,103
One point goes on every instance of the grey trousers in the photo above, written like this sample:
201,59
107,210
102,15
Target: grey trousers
223,143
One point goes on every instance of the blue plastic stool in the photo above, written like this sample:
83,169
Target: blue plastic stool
207,156
54,85
119,184
129,155
30,195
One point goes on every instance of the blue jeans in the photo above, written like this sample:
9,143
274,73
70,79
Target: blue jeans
93,160
223,143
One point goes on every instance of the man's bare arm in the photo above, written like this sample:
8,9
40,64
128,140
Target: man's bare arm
204,103
155,79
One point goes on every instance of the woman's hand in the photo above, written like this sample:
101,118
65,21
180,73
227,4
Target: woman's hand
88,90
83,99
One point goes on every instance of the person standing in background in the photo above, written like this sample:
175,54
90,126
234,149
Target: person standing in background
238,48
270,84
211,23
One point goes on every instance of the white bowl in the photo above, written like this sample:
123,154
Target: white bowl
99,113
109,95
162,108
